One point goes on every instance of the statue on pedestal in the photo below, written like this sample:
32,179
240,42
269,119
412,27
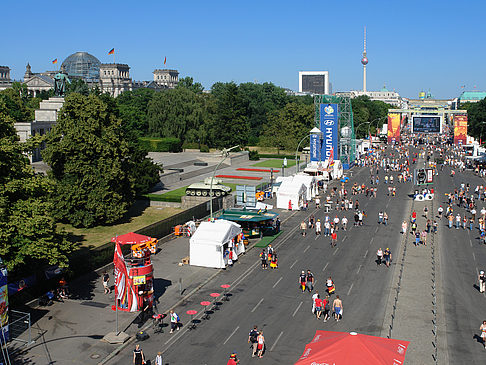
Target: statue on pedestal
60,80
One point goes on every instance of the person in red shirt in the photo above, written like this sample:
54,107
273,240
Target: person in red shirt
333,239
414,216
233,360
318,307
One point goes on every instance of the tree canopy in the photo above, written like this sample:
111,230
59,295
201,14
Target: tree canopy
476,114
92,162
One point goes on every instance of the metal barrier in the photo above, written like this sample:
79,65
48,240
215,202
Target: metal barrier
20,327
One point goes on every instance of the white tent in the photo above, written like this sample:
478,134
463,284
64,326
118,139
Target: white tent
293,193
309,182
212,241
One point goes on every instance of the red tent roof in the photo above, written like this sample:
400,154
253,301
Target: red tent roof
131,239
342,348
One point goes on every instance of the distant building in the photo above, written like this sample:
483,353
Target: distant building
472,96
5,81
385,95
37,82
314,82
114,78
166,77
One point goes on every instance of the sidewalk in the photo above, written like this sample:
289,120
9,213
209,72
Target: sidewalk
72,332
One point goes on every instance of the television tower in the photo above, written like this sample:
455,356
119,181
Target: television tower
364,61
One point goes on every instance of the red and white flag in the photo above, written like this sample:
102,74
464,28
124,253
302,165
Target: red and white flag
124,293
330,159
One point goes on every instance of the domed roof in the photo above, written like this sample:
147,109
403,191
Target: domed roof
82,64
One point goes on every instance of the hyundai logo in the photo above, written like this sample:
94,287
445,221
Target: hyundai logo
329,122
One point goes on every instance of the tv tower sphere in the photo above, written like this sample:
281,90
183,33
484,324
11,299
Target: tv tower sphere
364,60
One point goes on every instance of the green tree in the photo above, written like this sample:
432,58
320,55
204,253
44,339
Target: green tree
188,83
77,86
288,126
228,125
476,114
173,113
368,114
133,106
28,232
92,162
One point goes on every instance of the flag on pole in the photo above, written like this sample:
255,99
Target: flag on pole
124,293
330,159
54,61
112,51
165,60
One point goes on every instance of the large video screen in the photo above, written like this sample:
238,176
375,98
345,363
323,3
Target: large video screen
426,124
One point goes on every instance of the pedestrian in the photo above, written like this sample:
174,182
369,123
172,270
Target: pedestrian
404,227
483,333
471,224
174,321
158,359
314,297
326,307
458,221
434,225
261,344
380,217
303,228
344,222
387,256
379,256
423,237
318,227
334,239
106,280
309,281
302,280
385,218
482,281
252,340
318,307
138,357
263,257
337,308
450,219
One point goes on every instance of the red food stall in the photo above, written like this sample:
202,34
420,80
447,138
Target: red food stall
134,274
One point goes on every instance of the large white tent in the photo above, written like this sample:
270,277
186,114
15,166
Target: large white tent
309,182
291,193
210,244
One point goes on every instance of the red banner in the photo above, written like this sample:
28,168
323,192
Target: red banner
460,129
393,127
124,294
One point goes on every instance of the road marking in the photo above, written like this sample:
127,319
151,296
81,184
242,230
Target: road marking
335,251
351,287
365,253
470,242
344,239
307,248
260,302
376,230
474,256
293,264
325,267
278,338
298,307
359,268
372,238
317,236
232,333
278,281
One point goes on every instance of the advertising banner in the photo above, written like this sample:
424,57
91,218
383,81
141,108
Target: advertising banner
393,127
329,127
460,129
124,293
4,304
314,147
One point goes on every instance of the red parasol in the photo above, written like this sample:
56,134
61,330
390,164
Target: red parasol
351,348
131,239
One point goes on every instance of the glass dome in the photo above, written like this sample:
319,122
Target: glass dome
82,64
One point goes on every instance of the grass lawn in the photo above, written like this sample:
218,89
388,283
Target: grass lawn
139,216
275,163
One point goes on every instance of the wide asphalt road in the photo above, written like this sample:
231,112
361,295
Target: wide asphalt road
271,299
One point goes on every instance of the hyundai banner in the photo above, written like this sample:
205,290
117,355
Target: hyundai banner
314,147
329,127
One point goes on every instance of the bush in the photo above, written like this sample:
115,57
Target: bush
169,144
204,148
254,156
190,146
163,198
253,141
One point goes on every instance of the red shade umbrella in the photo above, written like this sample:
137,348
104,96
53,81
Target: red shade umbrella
131,239
342,348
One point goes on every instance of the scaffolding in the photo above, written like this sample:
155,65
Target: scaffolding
347,141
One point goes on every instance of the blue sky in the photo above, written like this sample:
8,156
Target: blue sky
412,45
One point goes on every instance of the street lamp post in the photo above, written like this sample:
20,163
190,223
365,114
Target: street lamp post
224,154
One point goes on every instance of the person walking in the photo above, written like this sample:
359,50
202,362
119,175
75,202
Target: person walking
309,281
337,308
233,360
158,359
404,227
344,223
379,256
387,256
334,239
174,321
450,219
318,227
483,333
303,228
261,344
106,281
138,357
385,218
252,340
481,281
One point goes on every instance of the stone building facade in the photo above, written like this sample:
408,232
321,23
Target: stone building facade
166,77
5,81
115,78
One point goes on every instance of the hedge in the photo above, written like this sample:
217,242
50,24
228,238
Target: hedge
195,146
168,144
272,155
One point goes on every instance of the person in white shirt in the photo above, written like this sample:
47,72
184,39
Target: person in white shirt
158,359
344,222
336,222
314,297
318,227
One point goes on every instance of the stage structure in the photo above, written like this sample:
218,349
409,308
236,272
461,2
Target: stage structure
344,139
